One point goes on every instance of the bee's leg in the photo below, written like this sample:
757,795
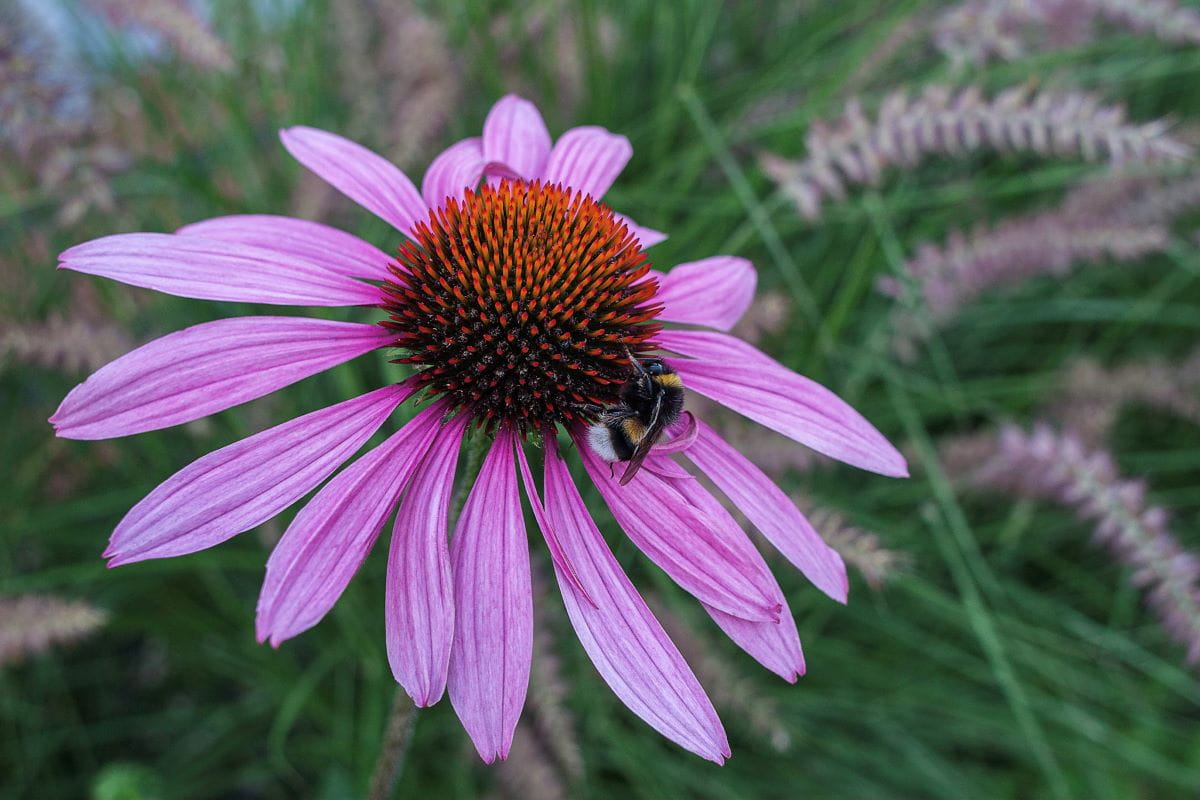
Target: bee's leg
645,385
637,365
612,469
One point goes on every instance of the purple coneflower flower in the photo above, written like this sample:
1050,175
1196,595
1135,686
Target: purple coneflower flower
519,304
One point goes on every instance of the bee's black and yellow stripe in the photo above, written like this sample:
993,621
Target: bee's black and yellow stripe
668,380
649,403
634,430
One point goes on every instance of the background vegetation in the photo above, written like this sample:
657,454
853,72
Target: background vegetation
992,647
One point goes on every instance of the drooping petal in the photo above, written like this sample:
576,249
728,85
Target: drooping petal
493,606
233,489
515,136
458,167
771,511
648,237
745,379
364,176
684,542
212,269
330,538
588,159
419,612
683,436
207,368
331,248
775,645
714,292
628,646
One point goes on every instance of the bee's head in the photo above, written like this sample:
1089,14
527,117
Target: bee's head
654,366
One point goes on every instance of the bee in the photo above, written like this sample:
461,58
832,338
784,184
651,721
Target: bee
650,401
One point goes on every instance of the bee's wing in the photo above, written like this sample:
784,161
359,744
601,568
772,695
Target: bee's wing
653,431
655,423
639,455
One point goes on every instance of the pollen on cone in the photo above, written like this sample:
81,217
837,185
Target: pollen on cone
522,303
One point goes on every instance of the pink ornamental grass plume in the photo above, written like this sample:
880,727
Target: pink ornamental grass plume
1046,465
517,303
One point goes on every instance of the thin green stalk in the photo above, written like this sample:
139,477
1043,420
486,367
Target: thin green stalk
401,721
978,615
789,270
475,447
890,244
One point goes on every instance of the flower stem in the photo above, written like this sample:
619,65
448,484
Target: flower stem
403,716
401,721
475,446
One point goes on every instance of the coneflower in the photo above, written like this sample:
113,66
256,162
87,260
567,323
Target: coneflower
519,303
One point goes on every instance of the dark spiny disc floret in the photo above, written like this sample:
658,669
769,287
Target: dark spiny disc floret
522,303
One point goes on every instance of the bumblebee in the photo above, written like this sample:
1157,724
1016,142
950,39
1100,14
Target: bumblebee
650,401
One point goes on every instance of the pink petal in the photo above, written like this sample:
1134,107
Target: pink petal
752,383
515,136
493,633
774,645
713,292
648,237
246,483
456,169
688,545
204,369
419,611
561,562
588,159
683,436
625,642
771,511
364,176
212,269
336,250
328,540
